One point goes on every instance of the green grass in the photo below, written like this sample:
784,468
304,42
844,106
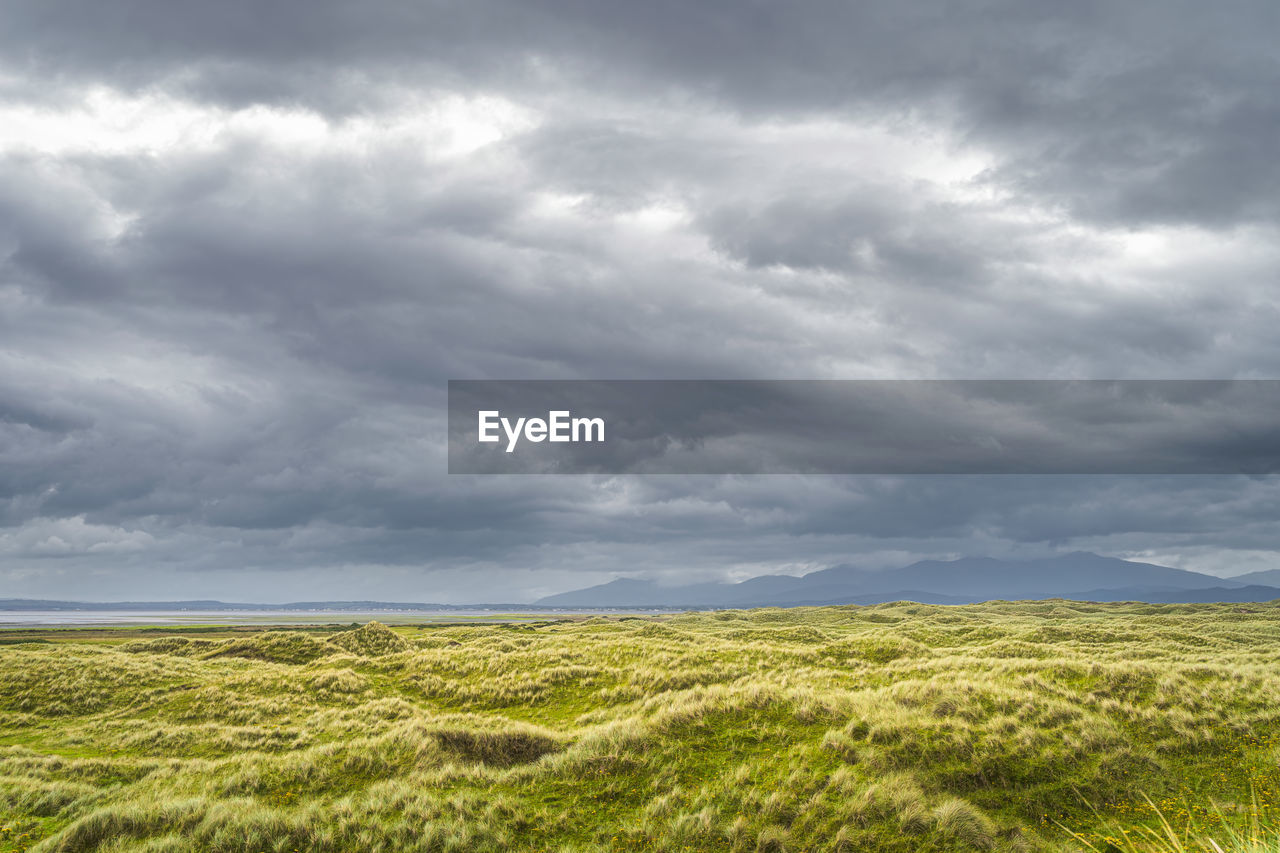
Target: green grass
1004,727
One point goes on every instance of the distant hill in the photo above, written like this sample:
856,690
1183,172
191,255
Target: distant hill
1268,577
1080,575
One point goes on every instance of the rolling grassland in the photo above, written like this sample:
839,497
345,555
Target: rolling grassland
902,727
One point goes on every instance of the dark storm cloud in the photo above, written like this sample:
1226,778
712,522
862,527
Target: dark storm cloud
1150,111
242,247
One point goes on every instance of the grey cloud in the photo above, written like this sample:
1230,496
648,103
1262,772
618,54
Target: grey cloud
225,357
1149,112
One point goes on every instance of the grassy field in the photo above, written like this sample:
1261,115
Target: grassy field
897,727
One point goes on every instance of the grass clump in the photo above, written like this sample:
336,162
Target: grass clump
371,640
1187,828
291,647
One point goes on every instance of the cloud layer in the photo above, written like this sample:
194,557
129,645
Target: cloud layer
241,251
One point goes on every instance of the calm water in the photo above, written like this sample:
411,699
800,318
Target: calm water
27,618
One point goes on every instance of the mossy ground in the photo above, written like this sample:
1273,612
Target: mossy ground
897,727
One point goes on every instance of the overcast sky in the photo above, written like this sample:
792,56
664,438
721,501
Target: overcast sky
243,245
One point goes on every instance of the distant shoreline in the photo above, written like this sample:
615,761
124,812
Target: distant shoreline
107,617
13,605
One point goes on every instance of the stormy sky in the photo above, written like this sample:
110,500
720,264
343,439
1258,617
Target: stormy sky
243,247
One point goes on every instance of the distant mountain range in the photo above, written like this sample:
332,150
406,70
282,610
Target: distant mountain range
1079,575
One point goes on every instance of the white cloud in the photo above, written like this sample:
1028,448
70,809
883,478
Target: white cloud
72,537
109,122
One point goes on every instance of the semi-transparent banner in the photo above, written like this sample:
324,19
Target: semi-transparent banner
864,427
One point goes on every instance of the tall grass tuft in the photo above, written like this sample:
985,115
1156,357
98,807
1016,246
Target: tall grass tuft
1256,831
